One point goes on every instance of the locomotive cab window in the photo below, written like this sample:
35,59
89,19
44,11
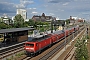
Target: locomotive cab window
31,45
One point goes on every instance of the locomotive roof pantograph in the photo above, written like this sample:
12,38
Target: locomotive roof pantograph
39,38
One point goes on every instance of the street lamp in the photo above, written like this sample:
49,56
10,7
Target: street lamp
73,36
52,26
55,25
65,35
52,22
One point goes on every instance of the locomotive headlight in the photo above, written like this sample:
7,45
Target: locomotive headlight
27,48
32,48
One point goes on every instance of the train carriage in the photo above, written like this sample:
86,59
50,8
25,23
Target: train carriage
71,30
66,32
54,38
76,28
60,34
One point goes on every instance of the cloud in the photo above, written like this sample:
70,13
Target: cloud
62,10
9,7
34,12
34,8
31,8
20,6
58,1
6,7
24,3
57,8
75,0
66,3
85,13
45,5
51,14
53,1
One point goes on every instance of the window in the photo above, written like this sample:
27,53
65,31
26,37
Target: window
31,45
36,44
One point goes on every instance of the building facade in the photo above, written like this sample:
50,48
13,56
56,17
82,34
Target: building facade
42,18
6,19
23,13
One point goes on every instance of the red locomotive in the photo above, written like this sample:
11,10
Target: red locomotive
36,44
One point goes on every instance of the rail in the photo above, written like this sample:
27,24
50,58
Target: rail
46,56
7,51
60,46
68,54
27,58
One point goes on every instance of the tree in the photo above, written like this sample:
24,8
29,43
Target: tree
26,24
31,22
67,21
0,19
81,52
18,21
3,25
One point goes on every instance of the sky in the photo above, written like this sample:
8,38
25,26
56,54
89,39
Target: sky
61,9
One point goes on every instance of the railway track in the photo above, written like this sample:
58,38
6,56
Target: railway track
70,52
45,57
49,54
27,58
51,51
5,52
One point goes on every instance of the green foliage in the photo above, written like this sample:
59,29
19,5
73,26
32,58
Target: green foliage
0,19
67,21
81,52
26,24
18,21
35,25
18,55
78,42
87,36
31,22
43,26
42,29
11,58
4,26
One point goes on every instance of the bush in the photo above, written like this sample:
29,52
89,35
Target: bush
81,52
87,37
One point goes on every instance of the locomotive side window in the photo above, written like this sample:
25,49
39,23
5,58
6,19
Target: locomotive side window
31,45
36,44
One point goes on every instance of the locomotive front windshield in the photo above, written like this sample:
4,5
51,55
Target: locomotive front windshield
31,45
